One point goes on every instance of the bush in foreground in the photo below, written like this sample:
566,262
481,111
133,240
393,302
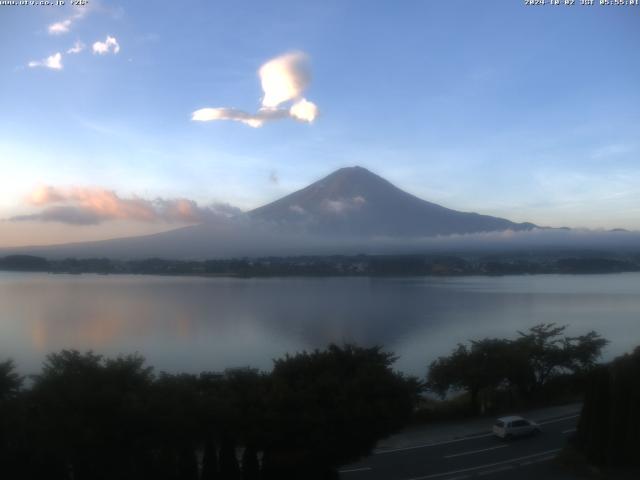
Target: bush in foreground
96,418
537,364
609,428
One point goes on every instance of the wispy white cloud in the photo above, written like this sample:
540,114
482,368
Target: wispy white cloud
254,120
53,62
609,151
77,47
297,209
343,205
64,26
283,79
60,27
110,45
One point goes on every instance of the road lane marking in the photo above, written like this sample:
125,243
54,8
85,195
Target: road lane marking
351,470
434,444
471,452
495,470
559,419
570,430
488,465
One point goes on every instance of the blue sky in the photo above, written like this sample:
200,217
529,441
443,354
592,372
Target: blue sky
531,113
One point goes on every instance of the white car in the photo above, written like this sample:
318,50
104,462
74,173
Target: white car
514,426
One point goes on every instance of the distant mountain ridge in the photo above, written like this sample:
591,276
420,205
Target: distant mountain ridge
351,210
354,201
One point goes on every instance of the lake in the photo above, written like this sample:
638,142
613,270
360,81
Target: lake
194,324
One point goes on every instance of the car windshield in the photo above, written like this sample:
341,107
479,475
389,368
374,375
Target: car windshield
500,423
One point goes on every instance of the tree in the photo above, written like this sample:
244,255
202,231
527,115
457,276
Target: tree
250,465
582,352
175,411
10,381
609,426
481,365
11,414
210,461
90,414
548,354
327,408
91,417
229,467
187,463
526,364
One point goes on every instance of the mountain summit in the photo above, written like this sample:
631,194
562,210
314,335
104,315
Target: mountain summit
351,210
356,202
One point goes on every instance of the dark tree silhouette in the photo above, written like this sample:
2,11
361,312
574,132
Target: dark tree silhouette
87,417
89,414
229,466
10,381
187,463
210,470
527,363
328,408
250,465
609,427
11,412
548,354
479,366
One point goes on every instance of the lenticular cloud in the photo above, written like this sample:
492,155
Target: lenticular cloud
284,80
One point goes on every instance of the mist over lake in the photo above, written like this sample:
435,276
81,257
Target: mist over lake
195,324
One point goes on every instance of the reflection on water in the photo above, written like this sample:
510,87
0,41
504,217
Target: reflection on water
195,324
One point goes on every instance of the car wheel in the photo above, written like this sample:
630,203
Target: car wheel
508,437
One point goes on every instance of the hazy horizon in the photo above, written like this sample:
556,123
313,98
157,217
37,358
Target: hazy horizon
122,110
351,211
217,215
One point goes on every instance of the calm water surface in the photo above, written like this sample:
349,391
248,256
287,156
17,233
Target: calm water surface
194,324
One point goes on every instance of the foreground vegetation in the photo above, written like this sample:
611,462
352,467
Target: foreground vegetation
609,429
90,417
85,416
341,265
538,367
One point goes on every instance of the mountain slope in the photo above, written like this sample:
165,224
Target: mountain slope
353,201
350,211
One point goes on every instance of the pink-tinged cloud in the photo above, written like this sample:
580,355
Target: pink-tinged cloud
90,206
254,120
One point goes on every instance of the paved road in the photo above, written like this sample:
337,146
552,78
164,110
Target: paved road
482,456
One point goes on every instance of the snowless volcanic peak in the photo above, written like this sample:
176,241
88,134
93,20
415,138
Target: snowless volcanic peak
348,211
354,201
